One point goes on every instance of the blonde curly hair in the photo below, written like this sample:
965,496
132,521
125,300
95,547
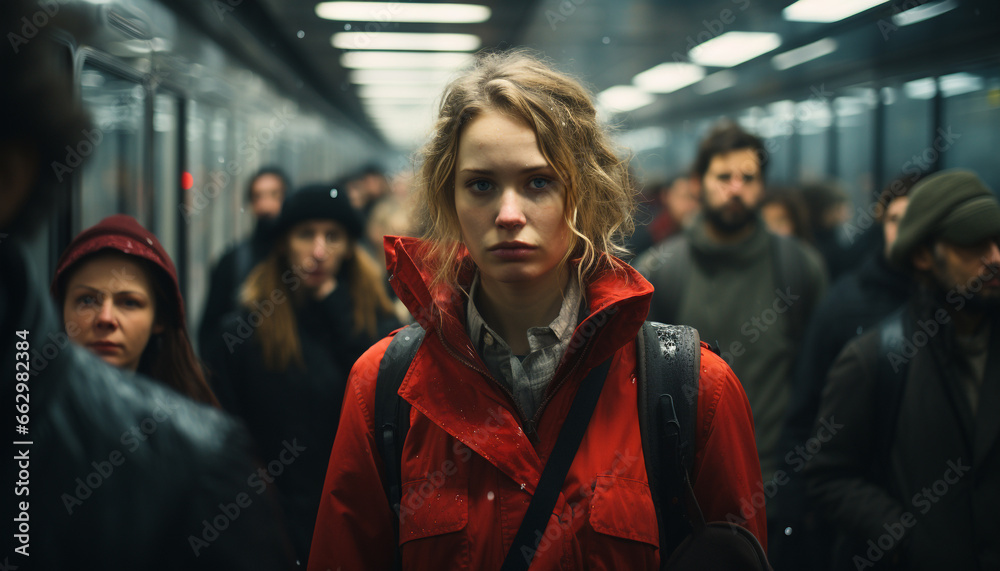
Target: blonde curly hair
600,198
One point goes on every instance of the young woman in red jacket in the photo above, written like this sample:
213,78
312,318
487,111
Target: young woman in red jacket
518,289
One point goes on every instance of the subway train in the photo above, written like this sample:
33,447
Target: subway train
188,97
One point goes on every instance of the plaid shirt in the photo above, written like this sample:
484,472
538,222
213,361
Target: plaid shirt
526,377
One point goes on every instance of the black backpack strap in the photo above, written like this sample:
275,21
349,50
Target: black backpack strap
669,368
892,369
790,272
543,500
392,416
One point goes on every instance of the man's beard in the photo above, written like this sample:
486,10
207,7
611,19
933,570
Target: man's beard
984,300
730,218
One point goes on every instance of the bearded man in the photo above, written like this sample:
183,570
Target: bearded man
746,290
912,479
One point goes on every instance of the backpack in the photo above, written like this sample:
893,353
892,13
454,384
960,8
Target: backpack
669,362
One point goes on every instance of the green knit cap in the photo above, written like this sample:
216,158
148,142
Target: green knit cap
953,205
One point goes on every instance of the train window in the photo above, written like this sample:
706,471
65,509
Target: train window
969,134
908,123
112,181
207,207
777,126
166,170
195,202
855,116
813,127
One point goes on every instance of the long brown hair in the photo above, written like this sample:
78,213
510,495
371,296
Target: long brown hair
600,198
274,279
169,356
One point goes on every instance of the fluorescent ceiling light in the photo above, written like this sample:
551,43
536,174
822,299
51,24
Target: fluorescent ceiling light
400,76
925,88
623,98
734,48
808,52
407,60
716,82
959,83
669,77
827,11
392,12
397,92
405,41
924,12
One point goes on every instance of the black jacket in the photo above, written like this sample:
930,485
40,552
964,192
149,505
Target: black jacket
226,278
297,407
120,471
853,304
936,505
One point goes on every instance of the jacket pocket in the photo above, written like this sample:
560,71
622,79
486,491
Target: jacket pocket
432,508
623,508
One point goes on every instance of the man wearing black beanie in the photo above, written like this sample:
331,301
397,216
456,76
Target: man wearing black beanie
912,475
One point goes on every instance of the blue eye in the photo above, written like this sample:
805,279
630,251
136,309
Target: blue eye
539,183
86,299
480,186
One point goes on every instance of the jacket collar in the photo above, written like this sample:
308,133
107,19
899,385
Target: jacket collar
477,413
617,300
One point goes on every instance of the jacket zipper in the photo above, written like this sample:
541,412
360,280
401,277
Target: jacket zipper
461,359
529,424
551,392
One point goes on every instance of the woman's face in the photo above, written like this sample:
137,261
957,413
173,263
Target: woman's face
110,309
509,202
316,249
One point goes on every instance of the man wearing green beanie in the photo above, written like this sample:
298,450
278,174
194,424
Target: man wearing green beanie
912,476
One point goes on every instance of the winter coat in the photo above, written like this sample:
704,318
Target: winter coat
292,409
854,303
936,505
226,278
121,472
469,469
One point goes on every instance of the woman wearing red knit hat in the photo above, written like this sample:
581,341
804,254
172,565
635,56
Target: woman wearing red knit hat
120,299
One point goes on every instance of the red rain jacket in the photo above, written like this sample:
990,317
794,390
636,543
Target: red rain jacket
469,470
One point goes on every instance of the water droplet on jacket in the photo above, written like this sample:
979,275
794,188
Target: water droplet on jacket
489,496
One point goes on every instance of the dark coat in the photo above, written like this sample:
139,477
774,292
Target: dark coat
853,304
226,278
936,505
293,407
122,472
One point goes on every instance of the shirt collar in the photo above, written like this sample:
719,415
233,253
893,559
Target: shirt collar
562,326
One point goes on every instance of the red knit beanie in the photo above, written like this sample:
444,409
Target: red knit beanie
124,234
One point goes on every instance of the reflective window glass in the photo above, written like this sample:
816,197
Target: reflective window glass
970,131
112,179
